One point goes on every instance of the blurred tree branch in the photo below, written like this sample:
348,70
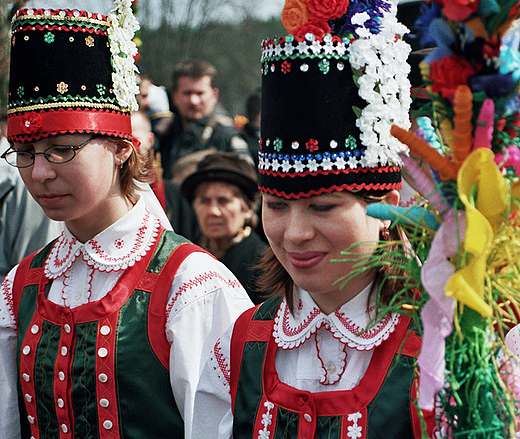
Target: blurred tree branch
7,10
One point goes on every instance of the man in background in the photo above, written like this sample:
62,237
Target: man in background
195,125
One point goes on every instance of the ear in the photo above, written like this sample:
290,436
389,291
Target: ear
123,152
392,198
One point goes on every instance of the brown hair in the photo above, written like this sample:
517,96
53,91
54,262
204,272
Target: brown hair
193,68
136,167
275,280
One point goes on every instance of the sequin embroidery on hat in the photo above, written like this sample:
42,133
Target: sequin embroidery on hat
324,66
62,87
89,41
312,145
49,38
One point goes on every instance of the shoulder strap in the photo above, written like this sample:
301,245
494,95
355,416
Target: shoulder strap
159,284
28,272
19,281
255,324
238,341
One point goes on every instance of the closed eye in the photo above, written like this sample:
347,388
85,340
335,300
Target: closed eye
322,207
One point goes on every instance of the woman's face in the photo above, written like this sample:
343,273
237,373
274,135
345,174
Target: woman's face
85,192
221,211
306,234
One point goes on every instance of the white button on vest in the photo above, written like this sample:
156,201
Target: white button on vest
64,428
61,376
307,417
61,403
64,351
67,328
103,402
103,378
102,352
26,350
35,329
28,397
26,377
107,425
30,419
105,330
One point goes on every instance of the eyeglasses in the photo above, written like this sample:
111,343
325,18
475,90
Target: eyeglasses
54,154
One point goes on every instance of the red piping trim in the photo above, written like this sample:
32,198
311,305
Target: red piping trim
74,27
384,169
379,186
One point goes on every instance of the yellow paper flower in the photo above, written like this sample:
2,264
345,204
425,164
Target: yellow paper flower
483,220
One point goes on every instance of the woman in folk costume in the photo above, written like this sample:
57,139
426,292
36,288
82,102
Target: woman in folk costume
317,360
103,333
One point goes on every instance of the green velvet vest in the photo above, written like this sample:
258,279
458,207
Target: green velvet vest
100,370
380,406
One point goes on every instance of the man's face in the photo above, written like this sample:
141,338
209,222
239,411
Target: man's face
195,98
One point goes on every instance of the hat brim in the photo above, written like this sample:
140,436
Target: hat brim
247,185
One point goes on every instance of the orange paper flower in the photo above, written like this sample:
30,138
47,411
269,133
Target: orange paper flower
295,13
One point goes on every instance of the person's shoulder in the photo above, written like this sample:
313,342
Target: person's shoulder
202,277
9,178
202,272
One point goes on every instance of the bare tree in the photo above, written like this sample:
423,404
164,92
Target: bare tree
7,10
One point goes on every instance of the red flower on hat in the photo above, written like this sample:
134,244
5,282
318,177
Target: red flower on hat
458,10
326,9
448,73
317,28
31,122
312,145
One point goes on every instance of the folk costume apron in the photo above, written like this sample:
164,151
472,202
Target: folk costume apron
380,406
101,369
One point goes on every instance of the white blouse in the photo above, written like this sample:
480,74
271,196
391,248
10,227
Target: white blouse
204,299
317,353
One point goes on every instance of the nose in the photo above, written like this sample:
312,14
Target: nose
194,99
214,209
42,169
298,228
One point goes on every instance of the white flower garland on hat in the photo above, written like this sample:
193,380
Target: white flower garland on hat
384,85
123,26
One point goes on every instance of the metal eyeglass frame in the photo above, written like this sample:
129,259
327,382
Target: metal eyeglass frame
44,153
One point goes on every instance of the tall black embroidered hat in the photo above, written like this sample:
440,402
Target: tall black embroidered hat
72,71
331,90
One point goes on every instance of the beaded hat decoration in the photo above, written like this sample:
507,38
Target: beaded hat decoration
330,92
72,71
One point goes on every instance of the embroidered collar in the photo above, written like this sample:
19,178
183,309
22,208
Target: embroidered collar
115,248
348,323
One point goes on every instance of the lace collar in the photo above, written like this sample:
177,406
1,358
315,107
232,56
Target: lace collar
348,323
115,248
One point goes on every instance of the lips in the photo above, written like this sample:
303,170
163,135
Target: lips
50,199
305,260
